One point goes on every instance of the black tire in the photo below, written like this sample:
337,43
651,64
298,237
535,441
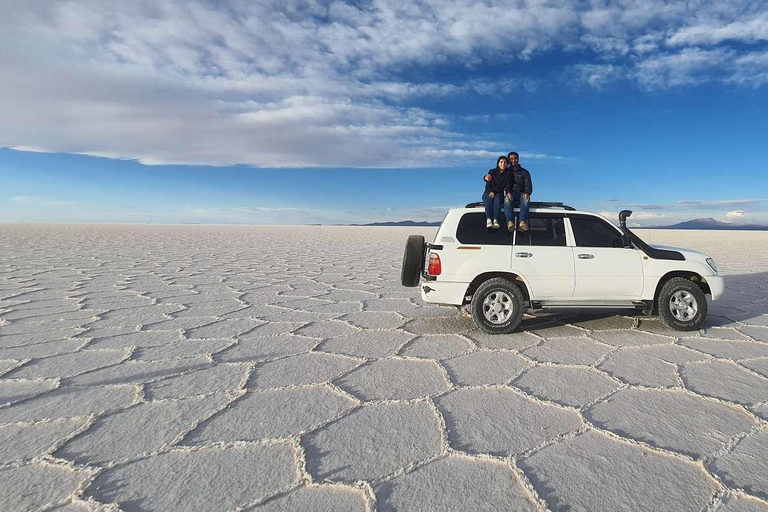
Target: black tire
684,287
516,304
413,261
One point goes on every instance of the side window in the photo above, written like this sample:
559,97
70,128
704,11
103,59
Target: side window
472,230
543,230
595,233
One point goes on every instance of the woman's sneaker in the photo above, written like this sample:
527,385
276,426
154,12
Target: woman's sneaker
488,223
522,227
510,226
495,224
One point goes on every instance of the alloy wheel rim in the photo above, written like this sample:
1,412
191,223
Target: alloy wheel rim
498,307
683,305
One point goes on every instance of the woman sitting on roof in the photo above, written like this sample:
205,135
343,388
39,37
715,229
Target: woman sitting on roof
493,197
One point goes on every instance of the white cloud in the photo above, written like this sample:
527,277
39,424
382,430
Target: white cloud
688,67
485,154
597,75
736,214
635,215
745,31
751,69
719,204
294,215
39,201
305,83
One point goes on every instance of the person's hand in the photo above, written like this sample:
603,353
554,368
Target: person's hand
487,178
491,195
509,196
527,197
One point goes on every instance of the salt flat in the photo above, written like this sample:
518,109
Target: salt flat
263,368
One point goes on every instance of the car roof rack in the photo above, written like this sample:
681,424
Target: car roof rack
534,204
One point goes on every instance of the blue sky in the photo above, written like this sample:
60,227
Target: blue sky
333,112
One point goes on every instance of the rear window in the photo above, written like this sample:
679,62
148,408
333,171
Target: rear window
546,230
472,230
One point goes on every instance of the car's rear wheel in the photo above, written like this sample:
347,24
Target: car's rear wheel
682,304
413,261
497,306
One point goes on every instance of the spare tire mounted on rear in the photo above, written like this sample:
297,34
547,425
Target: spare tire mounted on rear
413,261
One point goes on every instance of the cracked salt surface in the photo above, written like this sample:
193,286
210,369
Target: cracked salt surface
199,368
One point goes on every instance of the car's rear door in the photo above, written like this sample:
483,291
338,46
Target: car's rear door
605,269
542,256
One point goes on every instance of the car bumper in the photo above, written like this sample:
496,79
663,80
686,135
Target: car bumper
716,286
441,292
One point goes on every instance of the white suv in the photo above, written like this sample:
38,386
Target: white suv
567,259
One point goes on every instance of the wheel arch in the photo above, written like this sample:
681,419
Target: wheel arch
685,274
510,276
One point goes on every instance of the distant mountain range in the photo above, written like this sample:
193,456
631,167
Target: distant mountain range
402,223
710,223
702,223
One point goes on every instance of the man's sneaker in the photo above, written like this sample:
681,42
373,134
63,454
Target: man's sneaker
510,226
523,227
495,224
488,223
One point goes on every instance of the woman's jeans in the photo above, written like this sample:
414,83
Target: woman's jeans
493,205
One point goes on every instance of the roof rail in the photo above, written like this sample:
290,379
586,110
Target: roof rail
534,204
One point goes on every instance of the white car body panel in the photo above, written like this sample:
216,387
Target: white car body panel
549,271
557,273
610,272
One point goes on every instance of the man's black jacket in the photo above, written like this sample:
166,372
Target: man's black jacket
499,181
519,181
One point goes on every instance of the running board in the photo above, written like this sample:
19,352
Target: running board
590,304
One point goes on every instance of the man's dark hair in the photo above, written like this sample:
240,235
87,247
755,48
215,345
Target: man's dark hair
513,153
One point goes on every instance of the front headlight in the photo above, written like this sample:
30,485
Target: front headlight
712,264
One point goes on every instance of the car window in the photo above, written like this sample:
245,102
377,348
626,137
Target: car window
591,232
543,230
472,230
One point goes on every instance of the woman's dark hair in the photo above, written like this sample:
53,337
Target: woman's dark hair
498,161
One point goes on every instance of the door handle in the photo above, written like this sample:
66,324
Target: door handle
524,254
586,256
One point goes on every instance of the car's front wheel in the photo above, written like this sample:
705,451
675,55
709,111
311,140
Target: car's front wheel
682,304
497,306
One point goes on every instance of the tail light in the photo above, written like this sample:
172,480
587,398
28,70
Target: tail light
434,265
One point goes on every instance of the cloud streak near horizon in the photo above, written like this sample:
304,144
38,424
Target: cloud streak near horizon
333,84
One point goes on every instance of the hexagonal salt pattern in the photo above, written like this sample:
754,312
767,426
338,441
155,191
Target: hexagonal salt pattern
594,472
373,442
671,419
394,379
138,361
745,465
452,482
502,422
318,498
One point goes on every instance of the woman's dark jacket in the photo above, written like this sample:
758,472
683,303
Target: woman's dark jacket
498,182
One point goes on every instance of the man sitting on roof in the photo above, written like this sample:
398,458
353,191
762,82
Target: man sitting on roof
519,189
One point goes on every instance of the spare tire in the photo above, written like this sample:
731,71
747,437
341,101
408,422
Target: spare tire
413,261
